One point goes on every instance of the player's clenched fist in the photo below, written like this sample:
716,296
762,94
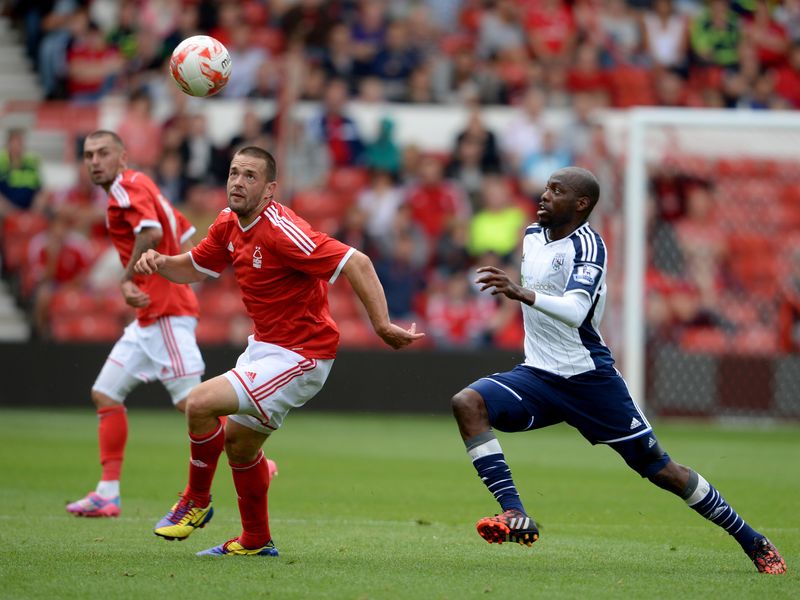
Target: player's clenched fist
149,262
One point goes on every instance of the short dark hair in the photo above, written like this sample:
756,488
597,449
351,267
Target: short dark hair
105,132
269,160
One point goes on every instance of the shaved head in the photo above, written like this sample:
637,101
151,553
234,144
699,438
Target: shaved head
583,182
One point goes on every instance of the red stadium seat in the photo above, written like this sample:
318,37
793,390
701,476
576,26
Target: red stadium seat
69,302
86,328
756,340
324,210
342,301
221,303
355,333
631,86
348,180
74,119
704,340
212,330
18,229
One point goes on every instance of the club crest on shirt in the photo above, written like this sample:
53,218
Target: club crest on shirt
257,258
558,261
586,274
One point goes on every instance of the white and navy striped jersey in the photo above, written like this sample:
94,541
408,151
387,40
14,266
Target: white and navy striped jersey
573,265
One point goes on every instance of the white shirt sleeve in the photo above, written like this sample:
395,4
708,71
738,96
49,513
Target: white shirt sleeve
570,309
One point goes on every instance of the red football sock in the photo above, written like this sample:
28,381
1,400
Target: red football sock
205,451
252,482
112,434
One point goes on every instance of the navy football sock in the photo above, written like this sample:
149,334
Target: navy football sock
487,457
704,498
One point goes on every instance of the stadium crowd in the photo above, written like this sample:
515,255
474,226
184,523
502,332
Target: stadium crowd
425,219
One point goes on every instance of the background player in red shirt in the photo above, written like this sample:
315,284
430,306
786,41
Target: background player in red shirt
160,343
283,268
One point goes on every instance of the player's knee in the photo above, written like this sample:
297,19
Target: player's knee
673,477
199,404
102,400
643,454
465,402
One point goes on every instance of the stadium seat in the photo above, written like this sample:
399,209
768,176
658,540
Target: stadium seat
756,340
704,340
342,302
348,180
69,302
18,229
355,333
220,302
73,118
631,86
212,330
324,210
86,328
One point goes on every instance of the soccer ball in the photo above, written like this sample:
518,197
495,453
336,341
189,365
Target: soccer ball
200,65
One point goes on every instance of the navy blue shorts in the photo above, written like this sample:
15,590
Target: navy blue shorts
596,403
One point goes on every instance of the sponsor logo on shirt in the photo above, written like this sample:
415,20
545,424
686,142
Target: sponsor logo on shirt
586,274
539,286
257,258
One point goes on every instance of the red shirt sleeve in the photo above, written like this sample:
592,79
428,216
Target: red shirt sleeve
304,249
211,255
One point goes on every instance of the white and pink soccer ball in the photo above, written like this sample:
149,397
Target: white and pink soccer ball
200,65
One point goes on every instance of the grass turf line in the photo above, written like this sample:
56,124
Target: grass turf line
385,507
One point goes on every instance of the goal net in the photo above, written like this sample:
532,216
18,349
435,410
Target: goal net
711,262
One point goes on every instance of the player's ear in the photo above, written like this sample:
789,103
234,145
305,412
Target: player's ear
583,204
269,193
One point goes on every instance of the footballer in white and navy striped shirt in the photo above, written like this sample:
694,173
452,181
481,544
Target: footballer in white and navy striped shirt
568,374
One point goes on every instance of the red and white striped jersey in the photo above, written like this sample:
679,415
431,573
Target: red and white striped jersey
135,203
283,268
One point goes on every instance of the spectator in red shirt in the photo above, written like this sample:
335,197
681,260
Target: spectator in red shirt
767,35
586,74
551,29
56,257
787,78
457,318
92,65
435,202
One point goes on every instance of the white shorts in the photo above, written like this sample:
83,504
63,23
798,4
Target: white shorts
270,381
165,351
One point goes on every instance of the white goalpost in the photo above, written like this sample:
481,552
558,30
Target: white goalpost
651,134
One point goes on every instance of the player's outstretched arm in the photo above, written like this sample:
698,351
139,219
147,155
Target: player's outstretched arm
178,268
361,275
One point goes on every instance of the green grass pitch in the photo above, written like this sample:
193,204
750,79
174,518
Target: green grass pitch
384,507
